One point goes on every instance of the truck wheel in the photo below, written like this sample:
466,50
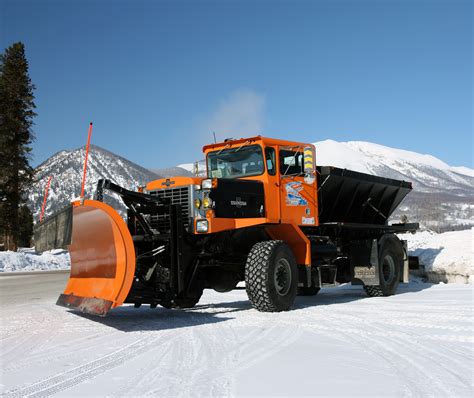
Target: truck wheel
186,302
308,291
271,276
390,266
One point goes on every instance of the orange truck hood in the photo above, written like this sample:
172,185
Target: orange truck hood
171,182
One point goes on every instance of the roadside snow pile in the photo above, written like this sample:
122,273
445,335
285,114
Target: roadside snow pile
28,260
446,257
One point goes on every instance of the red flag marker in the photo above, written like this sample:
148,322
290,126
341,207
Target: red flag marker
43,208
85,160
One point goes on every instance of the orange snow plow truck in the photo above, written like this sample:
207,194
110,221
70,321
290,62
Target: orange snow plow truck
265,214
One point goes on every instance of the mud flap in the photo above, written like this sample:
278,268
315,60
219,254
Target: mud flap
404,277
102,259
365,262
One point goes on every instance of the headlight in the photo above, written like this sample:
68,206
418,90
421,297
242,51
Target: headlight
206,184
202,226
197,203
209,183
207,202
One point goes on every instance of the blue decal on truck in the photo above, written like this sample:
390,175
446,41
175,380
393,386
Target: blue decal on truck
293,195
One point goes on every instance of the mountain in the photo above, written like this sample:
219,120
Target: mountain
442,197
173,172
66,168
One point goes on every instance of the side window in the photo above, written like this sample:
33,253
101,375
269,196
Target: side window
270,159
291,162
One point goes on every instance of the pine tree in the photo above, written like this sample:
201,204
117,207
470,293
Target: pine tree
16,121
25,232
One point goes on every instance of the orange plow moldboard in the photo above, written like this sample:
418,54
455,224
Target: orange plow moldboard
102,259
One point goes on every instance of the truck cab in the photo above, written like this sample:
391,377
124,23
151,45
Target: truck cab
249,182
284,170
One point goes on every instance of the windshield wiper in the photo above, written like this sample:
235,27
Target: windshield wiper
240,147
227,146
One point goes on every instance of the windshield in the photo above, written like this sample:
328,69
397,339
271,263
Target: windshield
235,162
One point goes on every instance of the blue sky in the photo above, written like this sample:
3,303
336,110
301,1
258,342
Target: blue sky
157,77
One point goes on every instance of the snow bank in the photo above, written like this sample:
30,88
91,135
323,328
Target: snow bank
28,260
446,257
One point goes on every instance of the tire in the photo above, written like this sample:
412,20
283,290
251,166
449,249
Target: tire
271,276
308,291
390,267
181,303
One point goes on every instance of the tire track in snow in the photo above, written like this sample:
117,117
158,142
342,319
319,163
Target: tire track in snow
37,344
36,330
425,321
210,356
229,355
187,355
65,380
368,341
146,375
408,369
49,355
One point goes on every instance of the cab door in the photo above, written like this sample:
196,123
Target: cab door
298,199
272,184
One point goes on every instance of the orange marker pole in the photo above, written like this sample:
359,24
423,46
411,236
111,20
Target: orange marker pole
43,208
85,160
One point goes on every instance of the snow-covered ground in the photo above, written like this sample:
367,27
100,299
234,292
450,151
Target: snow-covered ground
418,343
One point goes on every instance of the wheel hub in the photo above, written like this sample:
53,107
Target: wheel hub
282,277
388,269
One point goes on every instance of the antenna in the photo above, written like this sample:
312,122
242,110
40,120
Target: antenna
214,134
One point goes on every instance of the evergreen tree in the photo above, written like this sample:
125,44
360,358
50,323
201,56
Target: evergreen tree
25,232
16,120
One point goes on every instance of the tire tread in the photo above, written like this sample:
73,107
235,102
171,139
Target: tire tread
256,275
374,291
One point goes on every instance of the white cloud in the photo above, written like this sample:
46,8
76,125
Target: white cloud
238,115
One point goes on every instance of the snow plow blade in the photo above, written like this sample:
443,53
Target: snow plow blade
102,259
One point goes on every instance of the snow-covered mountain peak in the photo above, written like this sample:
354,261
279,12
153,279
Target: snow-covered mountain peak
339,154
395,154
66,168
424,170
368,153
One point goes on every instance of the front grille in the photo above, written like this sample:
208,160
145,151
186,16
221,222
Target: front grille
176,196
